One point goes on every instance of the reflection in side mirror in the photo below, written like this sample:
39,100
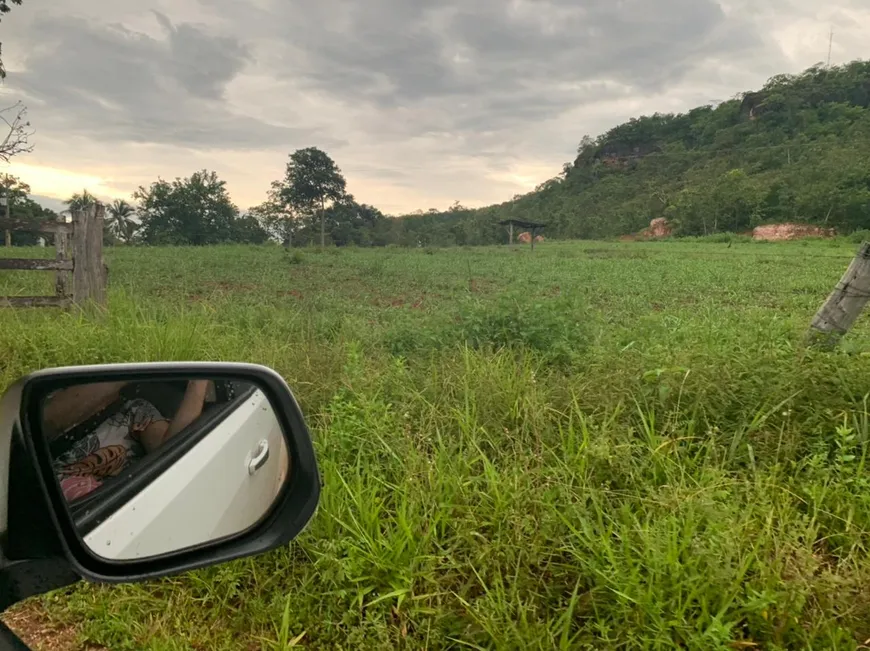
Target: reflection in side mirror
153,467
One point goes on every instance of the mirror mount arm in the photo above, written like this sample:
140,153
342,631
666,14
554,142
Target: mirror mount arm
31,532
32,560
20,580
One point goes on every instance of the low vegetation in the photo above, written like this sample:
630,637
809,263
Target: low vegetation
591,446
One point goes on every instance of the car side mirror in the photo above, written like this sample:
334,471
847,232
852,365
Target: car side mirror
136,471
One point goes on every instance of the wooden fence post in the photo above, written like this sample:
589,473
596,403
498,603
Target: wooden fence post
88,277
7,199
844,304
62,253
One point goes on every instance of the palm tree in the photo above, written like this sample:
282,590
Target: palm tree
121,220
80,201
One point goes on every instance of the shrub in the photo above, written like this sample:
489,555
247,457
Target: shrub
859,237
557,330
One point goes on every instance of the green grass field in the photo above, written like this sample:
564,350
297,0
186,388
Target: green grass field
595,446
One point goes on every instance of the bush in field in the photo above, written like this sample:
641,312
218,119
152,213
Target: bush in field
556,330
859,236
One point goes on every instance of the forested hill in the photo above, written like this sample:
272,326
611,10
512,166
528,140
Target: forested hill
796,150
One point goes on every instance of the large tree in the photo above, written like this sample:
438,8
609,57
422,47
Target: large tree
13,191
196,210
278,218
248,230
23,210
32,214
121,223
13,187
312,180
350,222
80,201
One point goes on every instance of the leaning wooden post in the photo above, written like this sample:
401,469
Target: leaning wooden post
844,304
62,254
88,278
511,233
6,201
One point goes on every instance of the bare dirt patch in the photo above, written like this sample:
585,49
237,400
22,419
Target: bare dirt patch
32,624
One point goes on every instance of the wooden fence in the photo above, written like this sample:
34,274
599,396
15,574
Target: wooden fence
81,275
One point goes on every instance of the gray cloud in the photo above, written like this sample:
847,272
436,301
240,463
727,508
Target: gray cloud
492,66
491,54
201,63
112,83
420,101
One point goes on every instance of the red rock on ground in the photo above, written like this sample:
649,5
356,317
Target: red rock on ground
777,232
659,227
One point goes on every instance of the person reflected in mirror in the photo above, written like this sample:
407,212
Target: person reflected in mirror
112,438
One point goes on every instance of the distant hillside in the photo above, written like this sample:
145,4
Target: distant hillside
796,150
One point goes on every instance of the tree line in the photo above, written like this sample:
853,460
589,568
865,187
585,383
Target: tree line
309,205
796,150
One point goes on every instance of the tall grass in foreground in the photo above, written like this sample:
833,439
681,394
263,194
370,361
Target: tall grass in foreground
686,477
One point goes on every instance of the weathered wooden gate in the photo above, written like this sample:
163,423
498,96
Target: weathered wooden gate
81,275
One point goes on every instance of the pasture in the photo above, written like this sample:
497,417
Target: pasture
597,445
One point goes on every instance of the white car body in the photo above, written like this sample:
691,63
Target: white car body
224,485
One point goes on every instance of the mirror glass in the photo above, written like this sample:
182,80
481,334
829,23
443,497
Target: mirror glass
151,467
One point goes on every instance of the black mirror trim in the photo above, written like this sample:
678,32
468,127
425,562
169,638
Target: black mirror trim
22,579
293,509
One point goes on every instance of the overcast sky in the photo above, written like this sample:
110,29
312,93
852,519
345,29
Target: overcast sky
420,102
